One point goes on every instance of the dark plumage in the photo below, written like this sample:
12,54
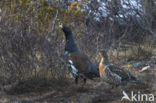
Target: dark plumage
113,74
78,63
70,46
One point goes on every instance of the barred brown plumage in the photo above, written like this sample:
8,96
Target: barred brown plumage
114,74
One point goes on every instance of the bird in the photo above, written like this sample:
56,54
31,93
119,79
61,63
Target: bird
112,73
78,63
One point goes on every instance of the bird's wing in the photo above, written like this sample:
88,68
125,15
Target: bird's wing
84,65
125,74
119,71
79,61
93,69
112,77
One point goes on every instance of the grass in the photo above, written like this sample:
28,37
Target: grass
35,85
39,90
135,52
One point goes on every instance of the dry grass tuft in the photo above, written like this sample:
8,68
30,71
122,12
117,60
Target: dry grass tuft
36,85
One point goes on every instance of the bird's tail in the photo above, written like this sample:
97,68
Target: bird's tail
133,77
137,81
124,83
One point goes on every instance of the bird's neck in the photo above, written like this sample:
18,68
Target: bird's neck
71,45
104,61
69,38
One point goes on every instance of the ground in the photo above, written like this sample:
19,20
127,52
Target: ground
95,91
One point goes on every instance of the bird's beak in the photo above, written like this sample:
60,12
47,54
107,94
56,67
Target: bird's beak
61,26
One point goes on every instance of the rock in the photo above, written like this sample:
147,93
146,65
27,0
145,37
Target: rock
146,68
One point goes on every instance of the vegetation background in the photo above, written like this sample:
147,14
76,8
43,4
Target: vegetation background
32,44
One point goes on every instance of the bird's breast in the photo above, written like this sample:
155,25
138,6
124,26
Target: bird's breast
101,69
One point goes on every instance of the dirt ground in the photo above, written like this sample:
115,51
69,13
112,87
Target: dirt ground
95,91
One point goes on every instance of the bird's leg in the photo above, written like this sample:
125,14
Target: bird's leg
76,80
84,80
116,86
112,87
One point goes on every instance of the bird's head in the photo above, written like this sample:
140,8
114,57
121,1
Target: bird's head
104,56
103,53
66,30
